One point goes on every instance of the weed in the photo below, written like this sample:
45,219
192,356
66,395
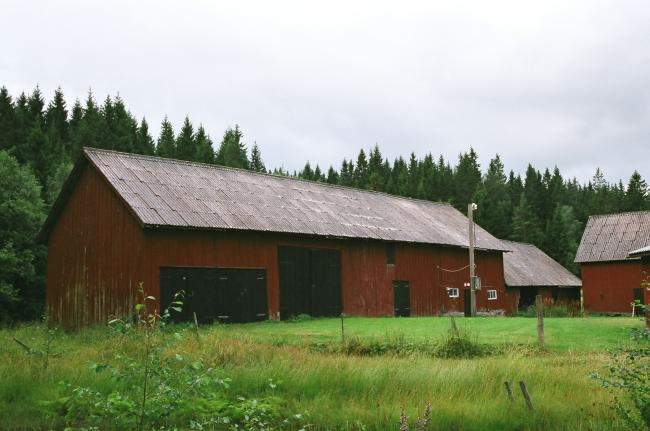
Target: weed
628,378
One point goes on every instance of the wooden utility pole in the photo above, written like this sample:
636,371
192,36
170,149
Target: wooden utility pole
472,273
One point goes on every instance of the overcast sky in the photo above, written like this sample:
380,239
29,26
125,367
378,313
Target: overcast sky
563,83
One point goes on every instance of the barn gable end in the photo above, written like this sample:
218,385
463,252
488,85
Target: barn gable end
95,248
611,278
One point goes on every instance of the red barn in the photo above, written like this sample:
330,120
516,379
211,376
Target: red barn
246,246
611,279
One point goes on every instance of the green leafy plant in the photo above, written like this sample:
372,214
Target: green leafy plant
628,378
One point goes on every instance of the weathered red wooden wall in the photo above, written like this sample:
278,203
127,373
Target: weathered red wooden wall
98,254
94,256
609,286
645,266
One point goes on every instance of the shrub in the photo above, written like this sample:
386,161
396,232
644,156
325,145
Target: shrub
460,346
628,378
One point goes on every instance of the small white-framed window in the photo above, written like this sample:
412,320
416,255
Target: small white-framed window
492,294
452,292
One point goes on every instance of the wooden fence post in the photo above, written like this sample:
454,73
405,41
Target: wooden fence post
454,328
342,329
196,325
508,386
539,308
525,393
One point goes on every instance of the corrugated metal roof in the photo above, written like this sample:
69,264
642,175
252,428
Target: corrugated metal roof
165,192
612,236
527,265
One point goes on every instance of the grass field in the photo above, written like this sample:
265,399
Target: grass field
343,391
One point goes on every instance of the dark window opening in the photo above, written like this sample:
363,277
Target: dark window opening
390,254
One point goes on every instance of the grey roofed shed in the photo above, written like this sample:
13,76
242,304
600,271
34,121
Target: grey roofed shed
173,193
611,237
527,265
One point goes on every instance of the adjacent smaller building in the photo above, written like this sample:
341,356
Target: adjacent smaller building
530,272
610,260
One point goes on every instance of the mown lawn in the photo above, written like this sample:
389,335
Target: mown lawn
343,391
576,334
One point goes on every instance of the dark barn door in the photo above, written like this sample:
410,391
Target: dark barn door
325,283
402,298
310,282
467,302
638,295
223,294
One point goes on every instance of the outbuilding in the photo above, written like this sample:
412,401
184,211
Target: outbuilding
611,278
248,246
530,272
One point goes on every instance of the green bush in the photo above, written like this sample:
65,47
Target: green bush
628,378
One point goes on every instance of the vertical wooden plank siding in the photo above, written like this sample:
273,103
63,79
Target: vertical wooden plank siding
609,286
366,278
645,266
98,254
94,255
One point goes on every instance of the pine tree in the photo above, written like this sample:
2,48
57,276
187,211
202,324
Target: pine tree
399,180
413,176
562,237
204,149
347,174
361,171
105,136
56,119
256,159
332,176
525,224
636,196
307,172
8,125
318,175
186,148
376,179
124,128
494,206
467,177
232,151
144,143
166,146
534,191
427,182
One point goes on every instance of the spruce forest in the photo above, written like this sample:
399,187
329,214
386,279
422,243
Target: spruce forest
40,141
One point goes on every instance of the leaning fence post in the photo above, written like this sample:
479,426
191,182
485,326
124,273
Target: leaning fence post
508,386
539,308
454,328
525,393
196,325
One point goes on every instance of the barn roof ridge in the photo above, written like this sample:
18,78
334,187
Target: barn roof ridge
266,174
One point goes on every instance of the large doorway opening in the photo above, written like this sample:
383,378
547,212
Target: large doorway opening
310,281
231,295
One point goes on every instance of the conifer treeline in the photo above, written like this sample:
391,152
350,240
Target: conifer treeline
543,208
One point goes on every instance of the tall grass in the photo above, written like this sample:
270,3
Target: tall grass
338,390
